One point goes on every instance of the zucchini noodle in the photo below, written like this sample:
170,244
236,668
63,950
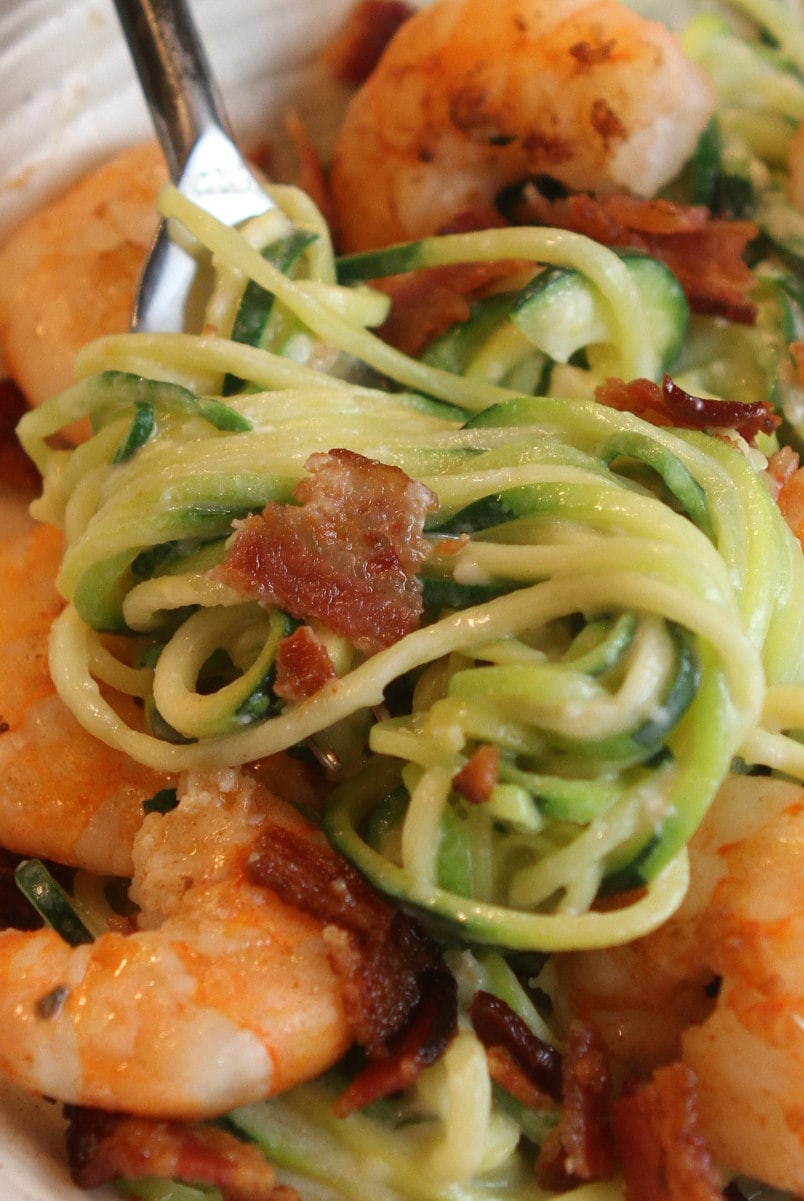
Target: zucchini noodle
557,522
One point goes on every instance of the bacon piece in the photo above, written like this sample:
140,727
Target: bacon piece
663,1153
496,1024
586,1100
582,1145
476,780
347,554
303,665
505,1071
103,1147
704,253
426,303
400,998
671,405
424,1038
355,51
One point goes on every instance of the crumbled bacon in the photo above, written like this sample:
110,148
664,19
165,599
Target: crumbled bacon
303,665
586,1099
426,303
476,780
505,1071
704,253
669,404
347,554
496,1024
103,1147
400,998
582,1145
419,1044
663,1154
355,51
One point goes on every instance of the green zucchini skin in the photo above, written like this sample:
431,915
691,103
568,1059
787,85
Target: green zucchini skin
51,902
253,318
561,312
510,338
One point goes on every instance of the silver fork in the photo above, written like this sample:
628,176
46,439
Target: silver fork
202,157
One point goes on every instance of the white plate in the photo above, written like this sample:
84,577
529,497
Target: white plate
70,97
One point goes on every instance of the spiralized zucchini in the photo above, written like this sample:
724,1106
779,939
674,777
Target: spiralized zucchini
606,603
610,605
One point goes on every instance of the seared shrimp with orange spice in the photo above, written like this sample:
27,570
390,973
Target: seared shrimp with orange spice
224,995
721,984
69,273
259,957
63,794
459,107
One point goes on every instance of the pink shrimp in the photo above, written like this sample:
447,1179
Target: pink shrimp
469,98
224,995
63,794
721,985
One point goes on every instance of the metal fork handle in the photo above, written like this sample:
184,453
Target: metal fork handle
175,75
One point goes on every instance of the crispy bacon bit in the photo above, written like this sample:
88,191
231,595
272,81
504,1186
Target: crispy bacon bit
303,665
354,52
663,1154
476,780
421,1042
505,1071
582,1145
496,1024
426,303
671,405
347,554
585,1115
103,1147
704,253
400,998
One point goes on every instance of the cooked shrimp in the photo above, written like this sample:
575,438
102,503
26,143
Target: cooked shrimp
471,97
68,274
739,934
223,996
63,794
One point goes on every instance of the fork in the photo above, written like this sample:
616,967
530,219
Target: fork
202,158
